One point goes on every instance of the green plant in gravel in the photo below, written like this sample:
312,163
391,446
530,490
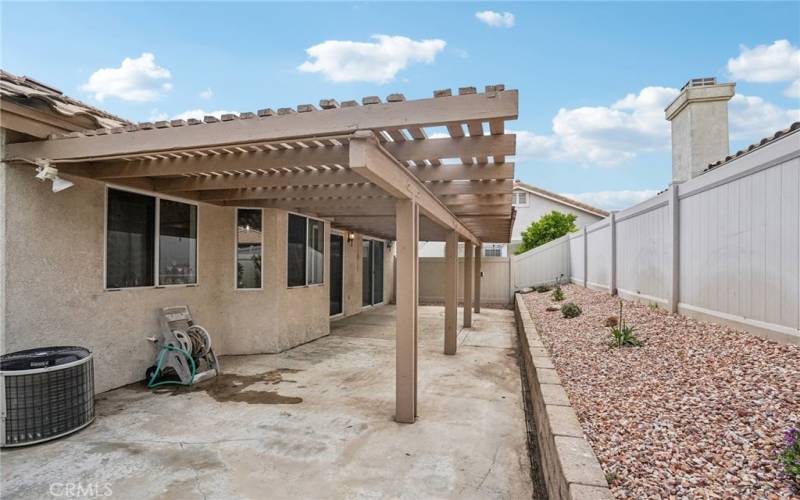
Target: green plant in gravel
570,310
622,335
558,294
790,456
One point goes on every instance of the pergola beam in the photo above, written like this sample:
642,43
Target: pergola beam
327,177
298,157
418,113
371,160
363,189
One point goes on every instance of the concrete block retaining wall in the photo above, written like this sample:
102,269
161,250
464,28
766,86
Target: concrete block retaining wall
569,466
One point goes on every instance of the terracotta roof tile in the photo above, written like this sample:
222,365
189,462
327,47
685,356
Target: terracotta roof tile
763,142
27,91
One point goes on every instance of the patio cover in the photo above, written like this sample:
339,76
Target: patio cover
303,160
382,169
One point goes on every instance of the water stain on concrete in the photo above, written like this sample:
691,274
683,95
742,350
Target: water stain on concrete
232,388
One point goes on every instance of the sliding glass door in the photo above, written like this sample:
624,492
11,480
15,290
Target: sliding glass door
337,273
372,272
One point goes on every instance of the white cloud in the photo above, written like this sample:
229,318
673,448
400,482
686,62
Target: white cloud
157,116
199,114
779,62
604,135
793,90
206,94
138,80
613,200
496,19
616,134
377,62
752,118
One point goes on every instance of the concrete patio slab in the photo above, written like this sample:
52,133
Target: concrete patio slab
312,422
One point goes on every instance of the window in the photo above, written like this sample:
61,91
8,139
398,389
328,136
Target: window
177,243
306,251
315,252
519,198
249,242
371,272
130,239
296,272
134,223
493,250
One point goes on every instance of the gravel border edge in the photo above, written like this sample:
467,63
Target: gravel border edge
571,469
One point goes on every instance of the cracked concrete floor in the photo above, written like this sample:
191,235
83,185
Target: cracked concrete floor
339,442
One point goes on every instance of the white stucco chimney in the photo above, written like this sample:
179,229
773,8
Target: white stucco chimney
699,118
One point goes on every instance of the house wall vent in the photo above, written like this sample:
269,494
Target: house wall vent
47,393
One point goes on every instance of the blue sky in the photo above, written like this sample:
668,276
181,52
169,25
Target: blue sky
593,77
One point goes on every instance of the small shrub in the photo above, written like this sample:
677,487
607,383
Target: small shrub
542,288
623,337
558,294
790,456
570,310
611,321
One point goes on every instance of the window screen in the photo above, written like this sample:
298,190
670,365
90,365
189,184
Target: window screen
520,198
248,248
177,243
315,259
130,239
296,269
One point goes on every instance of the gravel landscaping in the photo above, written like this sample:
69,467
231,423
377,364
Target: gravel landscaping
698,411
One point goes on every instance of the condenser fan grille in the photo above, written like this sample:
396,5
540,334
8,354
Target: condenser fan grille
47,403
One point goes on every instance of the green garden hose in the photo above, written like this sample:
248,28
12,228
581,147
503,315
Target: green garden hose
164,349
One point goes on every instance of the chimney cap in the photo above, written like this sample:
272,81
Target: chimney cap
699,90
700,82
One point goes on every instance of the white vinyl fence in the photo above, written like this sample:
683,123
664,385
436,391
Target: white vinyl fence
722,247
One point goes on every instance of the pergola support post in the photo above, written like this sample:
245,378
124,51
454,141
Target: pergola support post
468,258
477,298
451,293
407,214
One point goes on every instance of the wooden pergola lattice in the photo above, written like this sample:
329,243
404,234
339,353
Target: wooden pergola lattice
386,169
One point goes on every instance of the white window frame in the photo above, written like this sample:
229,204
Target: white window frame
307,217
236,250
520,192
156,263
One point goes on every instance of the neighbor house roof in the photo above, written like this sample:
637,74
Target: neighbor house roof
348,162
34,95
792,129
561,199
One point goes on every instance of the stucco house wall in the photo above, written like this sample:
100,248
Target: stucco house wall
52,251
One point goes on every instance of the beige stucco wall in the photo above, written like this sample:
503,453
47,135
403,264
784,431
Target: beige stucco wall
54,257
